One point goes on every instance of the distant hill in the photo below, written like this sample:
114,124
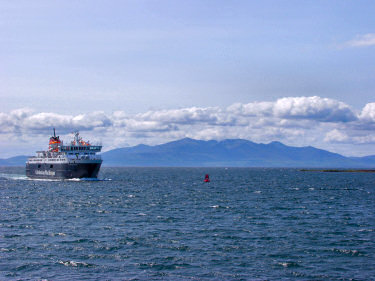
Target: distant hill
14,161
227,153
232,153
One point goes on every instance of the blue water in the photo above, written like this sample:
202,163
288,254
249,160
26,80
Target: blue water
166,224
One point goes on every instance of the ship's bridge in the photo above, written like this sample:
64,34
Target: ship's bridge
81,152
83,148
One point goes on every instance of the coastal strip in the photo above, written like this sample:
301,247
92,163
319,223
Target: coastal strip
339,170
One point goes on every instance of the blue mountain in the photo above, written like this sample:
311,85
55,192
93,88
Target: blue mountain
14,161
227,153
231,152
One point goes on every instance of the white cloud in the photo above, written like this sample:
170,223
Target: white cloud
311,108
316,108
192,115
132,125
367,139
92,120
336,136
362,40
24,120
45,120
293,120
252,109
286,112
368,113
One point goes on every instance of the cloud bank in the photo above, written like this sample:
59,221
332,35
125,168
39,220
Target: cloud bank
365,40
292,120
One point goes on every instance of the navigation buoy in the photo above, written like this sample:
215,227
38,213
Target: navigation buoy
207,178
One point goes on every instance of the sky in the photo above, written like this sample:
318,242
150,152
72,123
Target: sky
132,72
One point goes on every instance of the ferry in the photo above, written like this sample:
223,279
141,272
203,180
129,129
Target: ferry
76,160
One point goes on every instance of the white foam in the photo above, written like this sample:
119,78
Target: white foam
57,234
288,264
14,176
88,179
365,230
43,179
74,179
73,263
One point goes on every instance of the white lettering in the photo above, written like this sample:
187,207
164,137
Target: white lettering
45,173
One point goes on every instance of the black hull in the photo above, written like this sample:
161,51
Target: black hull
62,171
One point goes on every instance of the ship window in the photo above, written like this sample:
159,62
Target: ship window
39,166
51,166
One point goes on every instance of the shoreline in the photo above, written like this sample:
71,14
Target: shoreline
340,170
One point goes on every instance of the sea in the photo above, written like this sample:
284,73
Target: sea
168,224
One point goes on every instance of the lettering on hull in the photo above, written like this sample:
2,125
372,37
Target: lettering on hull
45,173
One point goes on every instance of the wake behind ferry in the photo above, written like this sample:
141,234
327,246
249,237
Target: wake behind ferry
77,160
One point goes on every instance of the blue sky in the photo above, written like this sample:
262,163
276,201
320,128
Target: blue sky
120,66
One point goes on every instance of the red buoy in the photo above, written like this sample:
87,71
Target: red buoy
207,178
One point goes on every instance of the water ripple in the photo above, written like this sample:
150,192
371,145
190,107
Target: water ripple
164,224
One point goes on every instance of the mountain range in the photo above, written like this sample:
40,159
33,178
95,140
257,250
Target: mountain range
227,153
